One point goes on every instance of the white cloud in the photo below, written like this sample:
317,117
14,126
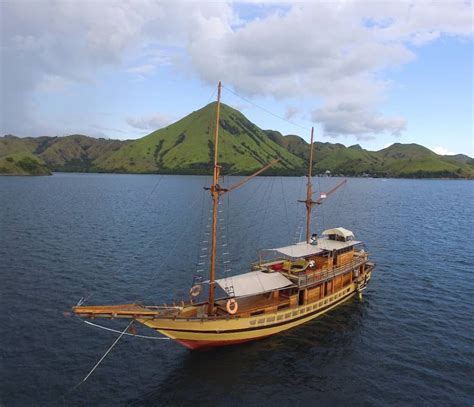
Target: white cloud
356,120
335,53
440,150
46,43
291,112
52,83
152,121
141,69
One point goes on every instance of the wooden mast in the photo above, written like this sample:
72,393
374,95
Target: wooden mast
215,193
309,191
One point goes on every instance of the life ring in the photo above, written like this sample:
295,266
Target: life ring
311,264
195,290
232,306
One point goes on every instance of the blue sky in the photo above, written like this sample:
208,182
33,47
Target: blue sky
361,73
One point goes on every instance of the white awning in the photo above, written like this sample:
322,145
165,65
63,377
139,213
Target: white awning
301,249
255,282
304,249
346,234
328,244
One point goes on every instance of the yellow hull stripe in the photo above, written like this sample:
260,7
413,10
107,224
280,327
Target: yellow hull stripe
248,328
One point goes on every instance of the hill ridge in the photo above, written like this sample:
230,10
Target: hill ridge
187,147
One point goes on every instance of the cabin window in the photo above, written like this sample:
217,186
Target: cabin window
261,320
271,319
283,306
302,310
279,317
260,312
288,315
301,297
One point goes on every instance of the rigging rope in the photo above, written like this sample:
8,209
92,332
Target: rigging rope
201,262
341,198
286,209
265,110
321,211
104,356
299,218
132,221
138,212
180,237
126,333
270,190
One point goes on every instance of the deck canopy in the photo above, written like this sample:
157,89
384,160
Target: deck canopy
253,283
330,245
301,249
339,232
304,249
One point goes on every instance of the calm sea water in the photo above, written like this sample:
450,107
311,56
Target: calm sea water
125,238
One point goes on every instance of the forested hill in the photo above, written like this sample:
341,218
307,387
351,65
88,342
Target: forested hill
187,147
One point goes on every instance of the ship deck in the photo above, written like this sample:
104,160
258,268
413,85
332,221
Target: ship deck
253,304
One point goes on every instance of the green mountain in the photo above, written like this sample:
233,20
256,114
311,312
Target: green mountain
71,153
187,147
398,160
413,160
23,164
294,144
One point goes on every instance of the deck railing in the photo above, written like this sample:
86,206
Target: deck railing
320,276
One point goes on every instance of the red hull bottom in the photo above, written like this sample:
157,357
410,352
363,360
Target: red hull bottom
193,345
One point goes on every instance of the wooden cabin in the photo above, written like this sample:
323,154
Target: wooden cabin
299,274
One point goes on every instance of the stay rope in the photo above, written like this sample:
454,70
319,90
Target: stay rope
285,207
132,221
147,199
126,333
104,356
265,110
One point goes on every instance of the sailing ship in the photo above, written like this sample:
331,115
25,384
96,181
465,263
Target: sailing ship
287,287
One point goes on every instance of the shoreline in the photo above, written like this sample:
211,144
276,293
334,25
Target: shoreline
234,175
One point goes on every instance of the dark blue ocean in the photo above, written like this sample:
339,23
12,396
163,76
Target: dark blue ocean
127,238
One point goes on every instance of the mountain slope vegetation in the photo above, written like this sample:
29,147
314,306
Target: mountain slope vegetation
187,147
23,164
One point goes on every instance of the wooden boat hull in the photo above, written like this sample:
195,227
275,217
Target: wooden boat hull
200,344
195,333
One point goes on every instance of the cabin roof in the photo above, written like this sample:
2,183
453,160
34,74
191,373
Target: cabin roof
339,232
253,283
303,249
299,249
